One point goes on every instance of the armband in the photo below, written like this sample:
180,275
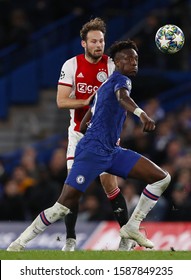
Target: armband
138,112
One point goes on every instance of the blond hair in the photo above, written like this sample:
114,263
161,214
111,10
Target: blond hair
94,24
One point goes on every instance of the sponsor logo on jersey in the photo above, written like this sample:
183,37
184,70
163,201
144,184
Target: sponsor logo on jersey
80,75
62,75
84,88
80,179
101,76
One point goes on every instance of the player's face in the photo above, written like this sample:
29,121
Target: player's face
94,45
127,62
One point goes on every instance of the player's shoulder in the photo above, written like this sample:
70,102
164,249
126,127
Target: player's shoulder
70,64
71,60
116,75
109,62
80,58
106,58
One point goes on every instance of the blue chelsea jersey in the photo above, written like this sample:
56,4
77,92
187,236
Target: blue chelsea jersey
108,117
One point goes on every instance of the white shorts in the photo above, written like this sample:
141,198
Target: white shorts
73,139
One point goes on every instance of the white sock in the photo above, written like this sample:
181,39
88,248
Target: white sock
44,219
142,209
147,201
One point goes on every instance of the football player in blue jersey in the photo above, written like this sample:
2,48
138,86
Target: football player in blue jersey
97,152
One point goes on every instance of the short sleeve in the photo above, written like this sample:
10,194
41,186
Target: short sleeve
67,72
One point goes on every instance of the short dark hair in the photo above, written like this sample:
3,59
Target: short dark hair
121,45
94,24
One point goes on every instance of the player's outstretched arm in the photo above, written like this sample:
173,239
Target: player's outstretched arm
129,104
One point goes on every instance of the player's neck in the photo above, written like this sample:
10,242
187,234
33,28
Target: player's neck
92,60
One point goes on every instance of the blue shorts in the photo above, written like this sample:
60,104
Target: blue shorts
87,166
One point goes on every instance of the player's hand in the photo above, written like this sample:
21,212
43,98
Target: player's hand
148,123
89,99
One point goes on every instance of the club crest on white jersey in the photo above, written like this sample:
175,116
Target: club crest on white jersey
101,76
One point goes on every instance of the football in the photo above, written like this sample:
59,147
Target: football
169,39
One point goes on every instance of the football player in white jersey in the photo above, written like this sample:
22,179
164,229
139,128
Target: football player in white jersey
80,77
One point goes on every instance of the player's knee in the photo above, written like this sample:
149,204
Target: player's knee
167,179
109,183
163,184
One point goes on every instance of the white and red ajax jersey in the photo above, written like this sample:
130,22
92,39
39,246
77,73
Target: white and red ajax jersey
84,78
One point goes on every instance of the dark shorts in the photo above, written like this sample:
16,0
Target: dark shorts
87,166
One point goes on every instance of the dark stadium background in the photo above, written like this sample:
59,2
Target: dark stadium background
36,37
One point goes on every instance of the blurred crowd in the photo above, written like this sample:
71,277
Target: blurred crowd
32,187
19,19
